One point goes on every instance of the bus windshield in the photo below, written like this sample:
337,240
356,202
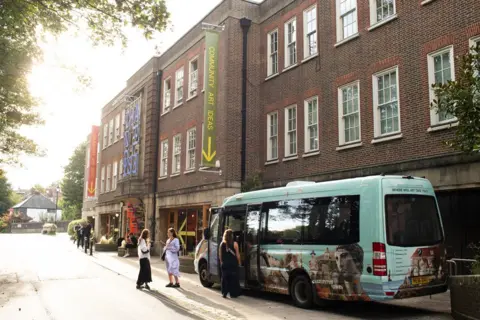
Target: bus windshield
412,220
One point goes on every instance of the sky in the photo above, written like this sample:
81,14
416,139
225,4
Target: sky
68,108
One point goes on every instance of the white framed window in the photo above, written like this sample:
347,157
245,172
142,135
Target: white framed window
191,148
311,124
109,178
349,113
117,127
115,175
381,10
291,131
120,169
177,153
386,104
346,19
102,181
272,42
291,43
164,158
193,78
272,136
179,87
167,90
122,125
440,70
110,132
310,32
105,135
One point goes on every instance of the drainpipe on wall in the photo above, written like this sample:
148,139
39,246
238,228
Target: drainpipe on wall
245,25
157,146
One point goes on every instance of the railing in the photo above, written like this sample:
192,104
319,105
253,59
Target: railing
453,262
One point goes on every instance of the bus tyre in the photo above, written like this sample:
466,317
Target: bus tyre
203,274
302,292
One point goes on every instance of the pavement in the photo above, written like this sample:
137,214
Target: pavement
47,277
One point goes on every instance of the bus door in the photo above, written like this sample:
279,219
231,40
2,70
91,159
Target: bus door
252,246
234,218
214,238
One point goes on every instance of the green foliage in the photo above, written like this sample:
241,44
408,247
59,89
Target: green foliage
461,98
252,183
5,221
73,181
71,212
15,198
5,193
39,188
72,224
476,255
23,22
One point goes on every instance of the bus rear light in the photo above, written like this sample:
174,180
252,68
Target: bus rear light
379,259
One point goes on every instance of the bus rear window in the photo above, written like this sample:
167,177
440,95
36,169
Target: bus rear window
412,220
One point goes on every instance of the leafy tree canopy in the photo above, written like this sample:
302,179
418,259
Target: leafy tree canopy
461,98
24,22
73,180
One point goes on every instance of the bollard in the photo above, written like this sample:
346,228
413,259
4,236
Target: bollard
91,247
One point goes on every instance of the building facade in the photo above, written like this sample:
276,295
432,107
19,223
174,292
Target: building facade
90,193
312,90
335,89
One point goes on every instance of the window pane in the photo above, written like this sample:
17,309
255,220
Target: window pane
331,220
284,222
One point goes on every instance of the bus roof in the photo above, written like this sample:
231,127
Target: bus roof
306,187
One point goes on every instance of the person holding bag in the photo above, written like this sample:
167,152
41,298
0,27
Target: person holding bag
230,261
145,274
170,256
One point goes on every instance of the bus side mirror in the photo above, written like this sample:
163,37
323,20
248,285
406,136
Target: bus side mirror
206,233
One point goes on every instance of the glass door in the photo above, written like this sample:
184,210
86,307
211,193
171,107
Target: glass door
252,246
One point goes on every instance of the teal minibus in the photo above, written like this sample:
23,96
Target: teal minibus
373,238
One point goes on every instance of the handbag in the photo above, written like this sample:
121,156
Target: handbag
163,255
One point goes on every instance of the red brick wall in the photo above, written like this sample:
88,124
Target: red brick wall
405,42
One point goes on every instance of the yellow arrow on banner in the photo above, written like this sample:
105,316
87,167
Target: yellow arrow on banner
209,155
91,189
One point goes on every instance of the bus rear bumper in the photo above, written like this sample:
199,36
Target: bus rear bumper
419,292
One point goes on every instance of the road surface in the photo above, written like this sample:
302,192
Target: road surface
47,277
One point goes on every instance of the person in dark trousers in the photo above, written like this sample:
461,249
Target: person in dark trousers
230,261
80,237
145,273
87,231
75,230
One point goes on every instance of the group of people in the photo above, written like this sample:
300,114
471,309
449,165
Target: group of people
83,232
229,256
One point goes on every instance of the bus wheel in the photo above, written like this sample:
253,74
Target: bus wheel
301,292
203,274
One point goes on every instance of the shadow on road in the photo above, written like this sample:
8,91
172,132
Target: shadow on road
169,303
361,310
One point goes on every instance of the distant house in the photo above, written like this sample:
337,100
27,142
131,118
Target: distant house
38,207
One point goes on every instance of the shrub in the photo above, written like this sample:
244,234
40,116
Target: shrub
72,224
476,256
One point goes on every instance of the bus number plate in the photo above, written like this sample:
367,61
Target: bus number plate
417,281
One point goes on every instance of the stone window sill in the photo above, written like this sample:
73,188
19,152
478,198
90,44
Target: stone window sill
349,146
425,2
189,171
191,98
272,76
290,158
163,178
311,154
341,42
173,175
270,162
382,22
293,66
313,56
386,138
443,126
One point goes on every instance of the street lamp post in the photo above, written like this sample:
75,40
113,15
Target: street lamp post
56,204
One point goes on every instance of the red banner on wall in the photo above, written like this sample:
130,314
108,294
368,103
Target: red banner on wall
92,162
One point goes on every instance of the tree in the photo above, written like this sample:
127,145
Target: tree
15,198
39,188
24,22
73,180
461,98
5,193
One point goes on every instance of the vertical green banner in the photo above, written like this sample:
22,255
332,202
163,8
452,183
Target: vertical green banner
209,150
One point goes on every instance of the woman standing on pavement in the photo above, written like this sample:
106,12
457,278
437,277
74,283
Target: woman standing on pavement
172,247
229,260
145,274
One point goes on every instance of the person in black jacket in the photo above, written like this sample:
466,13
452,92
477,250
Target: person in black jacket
230,261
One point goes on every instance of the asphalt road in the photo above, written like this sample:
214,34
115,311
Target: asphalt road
46,277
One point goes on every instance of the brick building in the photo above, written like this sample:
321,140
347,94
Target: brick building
333,89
